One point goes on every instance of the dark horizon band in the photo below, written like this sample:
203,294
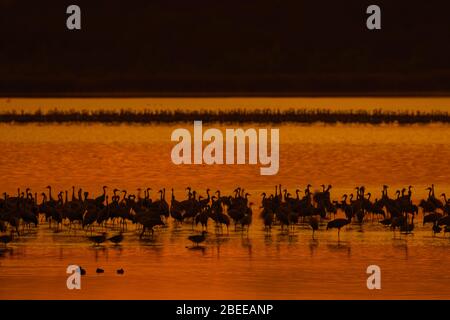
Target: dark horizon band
229,48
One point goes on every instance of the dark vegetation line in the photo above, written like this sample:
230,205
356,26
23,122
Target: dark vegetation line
305,116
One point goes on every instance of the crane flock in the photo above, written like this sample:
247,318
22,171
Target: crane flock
118,210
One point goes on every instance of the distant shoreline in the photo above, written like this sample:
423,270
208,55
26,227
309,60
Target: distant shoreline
301,116
144,94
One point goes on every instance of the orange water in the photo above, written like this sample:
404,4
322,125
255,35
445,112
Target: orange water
234,265
132,157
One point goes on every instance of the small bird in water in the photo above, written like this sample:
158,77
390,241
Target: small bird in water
117,238
120,271
98,239
99,270
198,238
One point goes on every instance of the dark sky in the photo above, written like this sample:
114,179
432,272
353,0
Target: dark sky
205,47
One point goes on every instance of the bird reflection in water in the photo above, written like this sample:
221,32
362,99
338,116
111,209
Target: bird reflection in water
313,245
201,249
98,250
341,246
247,244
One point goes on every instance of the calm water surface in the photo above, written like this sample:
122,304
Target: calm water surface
233,265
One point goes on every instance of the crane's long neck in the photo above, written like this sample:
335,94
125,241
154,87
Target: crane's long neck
307,191
384,193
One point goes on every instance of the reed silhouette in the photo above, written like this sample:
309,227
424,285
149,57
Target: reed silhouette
304,116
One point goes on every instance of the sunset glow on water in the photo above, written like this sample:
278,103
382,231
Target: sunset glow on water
233,265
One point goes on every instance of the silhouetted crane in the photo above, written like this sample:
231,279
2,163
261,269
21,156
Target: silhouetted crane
338,224
198,238
5,239
314,224
98,239
117,238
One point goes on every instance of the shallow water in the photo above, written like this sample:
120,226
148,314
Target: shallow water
233,265
229,266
